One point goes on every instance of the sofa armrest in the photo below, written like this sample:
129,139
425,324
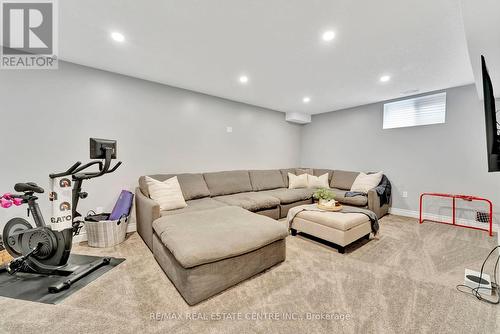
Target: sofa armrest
374,204
147,211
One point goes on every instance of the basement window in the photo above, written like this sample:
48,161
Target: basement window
422,110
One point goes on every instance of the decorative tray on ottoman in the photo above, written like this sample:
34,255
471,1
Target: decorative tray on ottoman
337,207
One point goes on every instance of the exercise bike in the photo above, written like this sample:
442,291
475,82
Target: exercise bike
43,249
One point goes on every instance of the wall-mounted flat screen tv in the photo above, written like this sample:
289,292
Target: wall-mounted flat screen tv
492,126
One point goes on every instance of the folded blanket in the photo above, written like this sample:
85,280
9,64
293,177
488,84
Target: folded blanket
383,190
355,193
345,209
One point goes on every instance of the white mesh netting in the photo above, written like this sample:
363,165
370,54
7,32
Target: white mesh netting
467,211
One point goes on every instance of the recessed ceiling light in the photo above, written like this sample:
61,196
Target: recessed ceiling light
306,99
243,79
385,78
328,35
118,37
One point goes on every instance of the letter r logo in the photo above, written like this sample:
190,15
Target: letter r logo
27,27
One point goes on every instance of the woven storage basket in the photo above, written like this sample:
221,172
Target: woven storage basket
106,233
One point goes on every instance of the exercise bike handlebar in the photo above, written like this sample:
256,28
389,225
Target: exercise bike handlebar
103,169
118,164
70,171
87,165
77,168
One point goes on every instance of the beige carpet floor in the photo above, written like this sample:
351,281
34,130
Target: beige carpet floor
402,281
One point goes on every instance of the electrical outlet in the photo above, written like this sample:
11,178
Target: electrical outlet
405,194
229,129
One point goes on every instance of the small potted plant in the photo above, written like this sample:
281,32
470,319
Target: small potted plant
325,196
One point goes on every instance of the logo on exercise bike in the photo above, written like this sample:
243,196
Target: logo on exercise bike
64,206
29,34
52,196
64,183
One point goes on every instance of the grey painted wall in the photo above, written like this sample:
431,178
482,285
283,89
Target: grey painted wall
448,157
48,117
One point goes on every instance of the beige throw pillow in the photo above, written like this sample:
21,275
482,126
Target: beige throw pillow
167,194
317,181
365,182
297,181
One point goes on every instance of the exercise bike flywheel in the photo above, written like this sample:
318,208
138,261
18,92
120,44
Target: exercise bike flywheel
43,238
12,235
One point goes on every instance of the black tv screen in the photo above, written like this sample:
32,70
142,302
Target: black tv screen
492,129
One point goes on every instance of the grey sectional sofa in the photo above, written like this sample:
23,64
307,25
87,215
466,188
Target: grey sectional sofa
218,240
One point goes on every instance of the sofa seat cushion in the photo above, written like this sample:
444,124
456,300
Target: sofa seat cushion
200,237
358,200
252,201
195,205
287,196
337,220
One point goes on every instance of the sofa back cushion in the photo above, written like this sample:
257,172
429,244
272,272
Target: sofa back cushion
343,179
266,179
193,186
284,174
229,182
300,171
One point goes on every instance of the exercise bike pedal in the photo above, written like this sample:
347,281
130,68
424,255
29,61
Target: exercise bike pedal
19,263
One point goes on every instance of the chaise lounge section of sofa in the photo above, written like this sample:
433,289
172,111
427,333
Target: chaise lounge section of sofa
206,252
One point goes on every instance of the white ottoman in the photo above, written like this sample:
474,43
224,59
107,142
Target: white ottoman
339,228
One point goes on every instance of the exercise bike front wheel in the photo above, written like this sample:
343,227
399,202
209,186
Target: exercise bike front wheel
12,235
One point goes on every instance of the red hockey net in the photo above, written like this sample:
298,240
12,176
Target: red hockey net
466,211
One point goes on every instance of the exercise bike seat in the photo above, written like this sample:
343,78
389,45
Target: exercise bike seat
28,187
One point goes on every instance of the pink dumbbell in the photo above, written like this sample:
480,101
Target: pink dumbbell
5,203
7,196
7,200
17,201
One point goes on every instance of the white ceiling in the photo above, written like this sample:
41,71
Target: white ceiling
482,25
206,45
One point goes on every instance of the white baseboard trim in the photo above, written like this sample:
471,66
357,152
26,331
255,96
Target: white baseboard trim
416,214
83,234
404,212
